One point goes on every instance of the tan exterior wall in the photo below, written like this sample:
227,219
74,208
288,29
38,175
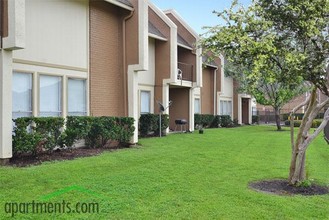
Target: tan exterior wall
180,107
219,75
106,60
207,91
182,31
132,35
162,56
4,18
186,56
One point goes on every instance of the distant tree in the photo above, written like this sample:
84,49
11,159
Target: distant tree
265,90
280,42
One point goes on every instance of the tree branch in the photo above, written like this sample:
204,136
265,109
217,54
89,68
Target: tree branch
317,131
292,113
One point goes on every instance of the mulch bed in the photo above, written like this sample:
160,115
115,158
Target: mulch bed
58,155
281,187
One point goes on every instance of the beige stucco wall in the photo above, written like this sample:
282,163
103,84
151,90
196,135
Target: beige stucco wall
48,40
148,77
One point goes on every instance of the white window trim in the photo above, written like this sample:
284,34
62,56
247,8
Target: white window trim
140,101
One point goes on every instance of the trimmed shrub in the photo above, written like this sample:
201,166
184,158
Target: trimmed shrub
255,119
24,139
98,131
32,134
205,120
212,121
226,121
126,129
316,123
216,122
149,124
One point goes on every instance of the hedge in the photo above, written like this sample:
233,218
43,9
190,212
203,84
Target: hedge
316,123
31,135
255,119
212,121
34,134
300,116
149,124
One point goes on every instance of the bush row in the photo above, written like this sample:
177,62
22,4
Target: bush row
149,124
316,123
212,121
35,134
300,116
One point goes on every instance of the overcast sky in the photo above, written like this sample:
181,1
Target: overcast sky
197,13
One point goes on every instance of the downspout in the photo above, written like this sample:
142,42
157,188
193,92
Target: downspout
215,90
125,89
1,22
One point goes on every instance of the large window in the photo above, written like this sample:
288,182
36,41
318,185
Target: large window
225,107
77,97
197,106
50,96
145,102
22,95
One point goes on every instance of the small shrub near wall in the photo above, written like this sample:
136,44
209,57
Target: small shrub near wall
212,121
149,124
33,134
98,131
255,119
316,123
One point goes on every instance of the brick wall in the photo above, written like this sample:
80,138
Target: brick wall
106,60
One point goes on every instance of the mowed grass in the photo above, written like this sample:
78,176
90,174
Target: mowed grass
181,176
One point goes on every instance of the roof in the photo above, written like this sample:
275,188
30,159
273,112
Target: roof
181,41
155,31
126,2
207,61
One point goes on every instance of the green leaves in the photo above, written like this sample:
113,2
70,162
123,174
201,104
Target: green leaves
273,47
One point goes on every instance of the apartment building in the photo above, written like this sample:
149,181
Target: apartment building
104,58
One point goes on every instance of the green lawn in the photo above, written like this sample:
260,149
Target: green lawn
188,176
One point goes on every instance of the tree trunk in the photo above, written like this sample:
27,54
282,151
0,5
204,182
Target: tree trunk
297,168
277,118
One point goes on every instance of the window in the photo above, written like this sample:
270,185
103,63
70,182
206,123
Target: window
225,107
22,95
197,106
50,96
145,102
77,97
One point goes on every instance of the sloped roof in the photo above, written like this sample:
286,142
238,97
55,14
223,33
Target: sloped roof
181,41
155,31
126,2
207,61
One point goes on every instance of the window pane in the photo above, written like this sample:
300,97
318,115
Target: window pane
22,95
77,97
221,107
145,102
197,106
50,96
229,106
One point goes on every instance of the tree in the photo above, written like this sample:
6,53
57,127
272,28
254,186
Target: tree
284,42
265,90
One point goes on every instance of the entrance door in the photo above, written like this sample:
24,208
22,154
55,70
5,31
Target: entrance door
245,111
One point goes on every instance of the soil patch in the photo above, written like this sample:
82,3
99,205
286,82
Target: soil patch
58,155
281,187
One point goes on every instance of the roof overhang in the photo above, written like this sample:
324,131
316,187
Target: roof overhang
121,5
